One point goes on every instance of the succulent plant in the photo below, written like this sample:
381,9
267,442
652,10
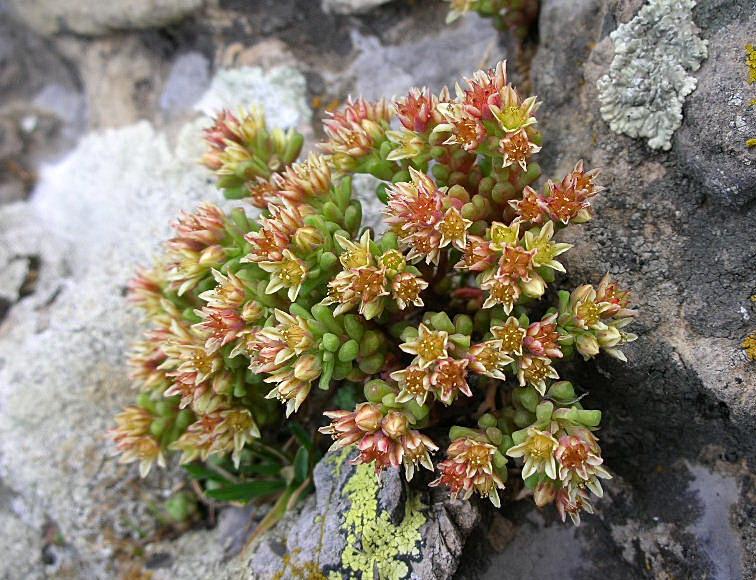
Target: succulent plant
267,331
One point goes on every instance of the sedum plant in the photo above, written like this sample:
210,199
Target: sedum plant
444,327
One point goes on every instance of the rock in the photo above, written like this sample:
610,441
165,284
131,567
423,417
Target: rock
355,525
41,107
424,53
719,119
280,92
95,18
186,83
93,217
351,6
266,54
677,417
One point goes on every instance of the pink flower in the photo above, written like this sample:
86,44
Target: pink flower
416,110
469,467
542,338
414,211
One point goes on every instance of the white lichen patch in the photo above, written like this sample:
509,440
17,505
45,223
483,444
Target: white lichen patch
642,95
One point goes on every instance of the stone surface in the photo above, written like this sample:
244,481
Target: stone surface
420,53
684,404
355,522
41,109
93,18
720,118
92,218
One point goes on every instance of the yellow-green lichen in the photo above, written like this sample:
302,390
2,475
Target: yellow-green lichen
751,62
749,345
338,458
376,548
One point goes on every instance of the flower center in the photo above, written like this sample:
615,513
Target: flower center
540,446
537,371
392,260
589,312
431,347
415,380
453,227
292,272
510,336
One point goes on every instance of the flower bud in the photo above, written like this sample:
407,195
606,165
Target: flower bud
308,239
587,345
252,311
213,255
535,287
393,261
307,367
368,417
544,493
609,337
395,424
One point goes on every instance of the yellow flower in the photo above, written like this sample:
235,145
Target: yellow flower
429,346
539,239
355,255
538,450
288,273
453,229
502,235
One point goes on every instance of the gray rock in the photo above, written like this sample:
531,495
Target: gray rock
94,18
678,416
93,217
356,522
186,83
719,118
351,6
425,52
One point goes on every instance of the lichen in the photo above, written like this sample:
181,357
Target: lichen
375,546
749,346
337,459
751,62
642,95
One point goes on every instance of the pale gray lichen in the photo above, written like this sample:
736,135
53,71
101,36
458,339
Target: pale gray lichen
643,93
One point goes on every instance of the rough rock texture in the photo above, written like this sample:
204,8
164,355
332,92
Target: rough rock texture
40,107
96,17
680,415
70,251
357,522
719,119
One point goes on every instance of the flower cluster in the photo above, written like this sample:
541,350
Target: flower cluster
515,15
266,331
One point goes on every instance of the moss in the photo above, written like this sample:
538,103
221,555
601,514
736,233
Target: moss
306,571
376,547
